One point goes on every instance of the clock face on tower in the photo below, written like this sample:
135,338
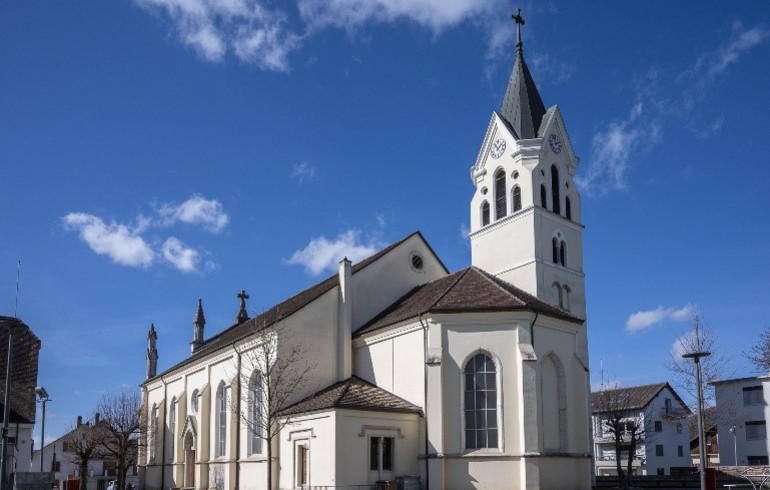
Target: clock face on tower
555,143
498,148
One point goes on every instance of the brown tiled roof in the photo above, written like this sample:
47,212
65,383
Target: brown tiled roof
470,289
353,393
26,349
282,310
631,398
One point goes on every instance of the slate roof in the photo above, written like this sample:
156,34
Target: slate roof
522,108
282,310
353,393
632,397
470,289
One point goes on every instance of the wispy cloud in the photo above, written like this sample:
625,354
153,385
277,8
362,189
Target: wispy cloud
616,146
247,28
180,256
323,254
197,210
126,244
117,241
302,172
642,320
549,67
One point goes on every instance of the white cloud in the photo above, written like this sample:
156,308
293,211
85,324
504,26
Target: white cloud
302,172
549,67
180,256
251,31
645,319
322,254
208,213
117,241
683,345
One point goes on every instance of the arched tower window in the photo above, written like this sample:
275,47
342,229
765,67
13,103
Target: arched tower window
484,213
172,426
501,204
516,198
221,419
567,290
543,197
557,287
568,208
563,253
553,387
256,396
555,247
480,403
556,208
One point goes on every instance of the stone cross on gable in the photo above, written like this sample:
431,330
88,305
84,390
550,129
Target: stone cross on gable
243,315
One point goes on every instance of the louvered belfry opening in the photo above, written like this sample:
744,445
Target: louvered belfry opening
484,213
516,199
500,201
555,189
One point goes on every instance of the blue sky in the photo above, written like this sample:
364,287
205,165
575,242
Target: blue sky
155,151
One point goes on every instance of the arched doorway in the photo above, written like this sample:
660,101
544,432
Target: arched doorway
189,460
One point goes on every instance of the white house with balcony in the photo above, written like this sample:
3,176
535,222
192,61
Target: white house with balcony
664,446
744,406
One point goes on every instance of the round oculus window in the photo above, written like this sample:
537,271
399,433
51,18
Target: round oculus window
416,261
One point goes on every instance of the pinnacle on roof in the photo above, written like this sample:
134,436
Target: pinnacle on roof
199,319
522,107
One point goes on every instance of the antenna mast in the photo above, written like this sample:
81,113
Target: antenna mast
18,274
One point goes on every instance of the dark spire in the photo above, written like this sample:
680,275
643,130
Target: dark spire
152,352
199,321
243,315
522,107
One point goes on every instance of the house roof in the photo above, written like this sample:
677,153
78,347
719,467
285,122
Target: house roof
739,380
631,397
353,393
283,309
470,289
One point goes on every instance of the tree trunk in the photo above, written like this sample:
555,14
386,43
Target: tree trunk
631,455
122,473
269,441
83,475
619,461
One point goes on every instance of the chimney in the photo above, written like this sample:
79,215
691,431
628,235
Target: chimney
345,327
80,420
97,416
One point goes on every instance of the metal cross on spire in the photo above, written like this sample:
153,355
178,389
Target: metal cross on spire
243,315
519,22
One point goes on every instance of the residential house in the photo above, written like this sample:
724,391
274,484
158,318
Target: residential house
660,414
744,407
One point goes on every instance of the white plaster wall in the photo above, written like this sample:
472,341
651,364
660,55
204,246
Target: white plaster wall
317,431
669,438
732,411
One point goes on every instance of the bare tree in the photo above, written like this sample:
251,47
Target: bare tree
84,442
123,426
714,367
624,424
759,354
273,374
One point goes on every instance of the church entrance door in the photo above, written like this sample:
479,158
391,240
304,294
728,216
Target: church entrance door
189,461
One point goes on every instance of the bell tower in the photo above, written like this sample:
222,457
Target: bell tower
525,213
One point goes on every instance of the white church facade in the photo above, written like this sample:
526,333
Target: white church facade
444,380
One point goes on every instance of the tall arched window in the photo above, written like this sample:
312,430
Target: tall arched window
501,205
567,208
563,253
516,198
553,387
255,413
556,208
555,246
194,398
221,419
153,439
172,427
484,213
480,403
557,287
543,197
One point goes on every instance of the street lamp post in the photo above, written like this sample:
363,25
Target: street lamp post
43,395
696,357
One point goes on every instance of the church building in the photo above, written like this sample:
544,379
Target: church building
407,372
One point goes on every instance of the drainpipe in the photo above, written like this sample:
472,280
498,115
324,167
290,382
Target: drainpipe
238,422
163,449
532,329
425,397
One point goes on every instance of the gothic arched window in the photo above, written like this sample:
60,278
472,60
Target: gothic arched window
153,431
563,253
501,205
516,197
221,419
484,213
256,395
172,426
555,247
556,208
554,393
567,208
543,197
480,403
194,401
